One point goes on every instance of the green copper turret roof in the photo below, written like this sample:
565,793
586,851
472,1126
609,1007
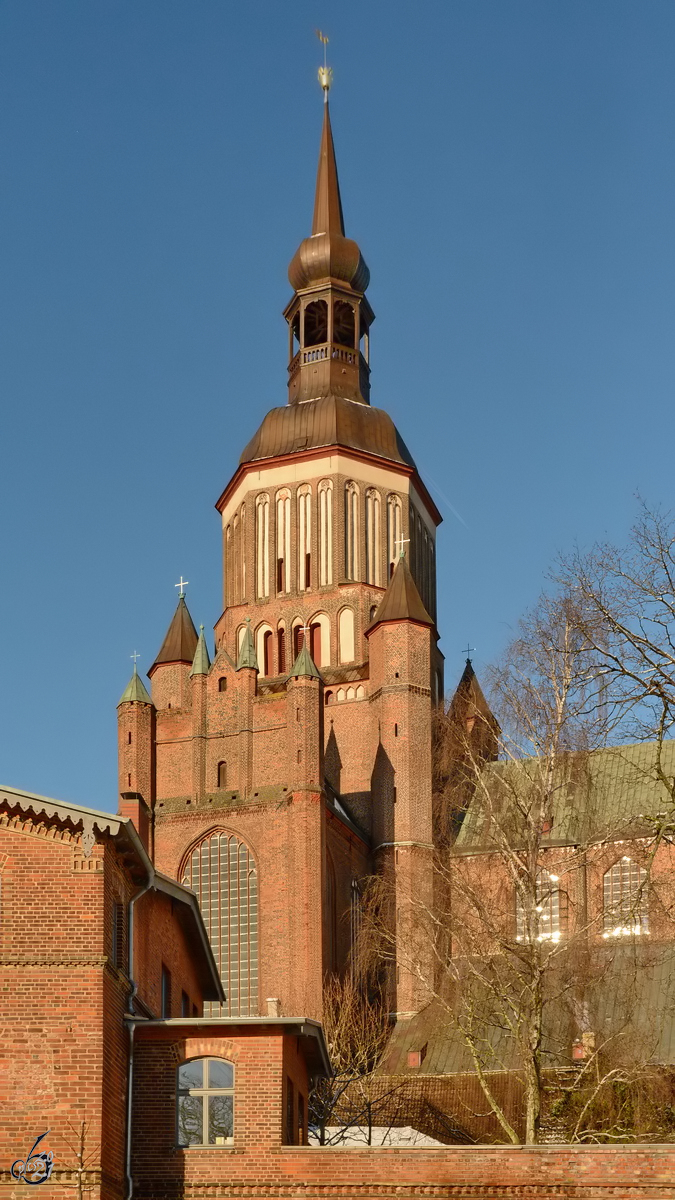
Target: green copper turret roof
135,691
304,664
247,654
201,662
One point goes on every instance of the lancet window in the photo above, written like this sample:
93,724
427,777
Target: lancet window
281,648
373,552
352,531
625,899
304,537
283,556
346,635
325,533
394,530
222,871
262,545
544,923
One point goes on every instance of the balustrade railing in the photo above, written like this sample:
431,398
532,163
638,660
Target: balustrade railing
325,351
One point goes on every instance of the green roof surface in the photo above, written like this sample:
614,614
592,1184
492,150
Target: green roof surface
135,691
201,662
304,664
604,793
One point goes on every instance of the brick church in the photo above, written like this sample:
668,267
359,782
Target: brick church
273,778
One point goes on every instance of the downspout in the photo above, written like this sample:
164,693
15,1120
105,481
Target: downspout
132,1026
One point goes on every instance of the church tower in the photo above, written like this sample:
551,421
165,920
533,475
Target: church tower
298,761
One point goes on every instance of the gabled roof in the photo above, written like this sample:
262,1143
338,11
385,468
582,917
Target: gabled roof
201,663
304,664
609,793
135,691
468,697
181,639
401,601
124,833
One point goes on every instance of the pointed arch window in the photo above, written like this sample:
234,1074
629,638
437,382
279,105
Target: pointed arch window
283,581
346,635
373,537
304,537
262,545
625,899
281,648
325,533
264,649
545,924
222,871
222,774
352,530
394,530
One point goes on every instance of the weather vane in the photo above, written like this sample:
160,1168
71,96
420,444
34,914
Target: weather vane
325,72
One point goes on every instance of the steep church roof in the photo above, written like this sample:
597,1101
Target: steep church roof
468,699
401,601
181,639
201,662
135,691
304,664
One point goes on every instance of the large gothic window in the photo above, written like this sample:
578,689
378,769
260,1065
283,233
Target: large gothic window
262,546
373,537
352,531
544,924
304,537
394,530
625,899
325,533
283,582
222,871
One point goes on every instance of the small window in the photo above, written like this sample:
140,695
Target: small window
301,1120
118,934
166,992
129,738
205,1115
222,684
290,1123
222,774
184,1004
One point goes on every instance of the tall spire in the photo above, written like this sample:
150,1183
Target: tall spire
328,216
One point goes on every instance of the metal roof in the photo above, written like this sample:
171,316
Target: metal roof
328,421
181,639
401,601
135,691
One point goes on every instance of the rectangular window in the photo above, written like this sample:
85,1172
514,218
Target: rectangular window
118,934
184,1004
166,991
290,1124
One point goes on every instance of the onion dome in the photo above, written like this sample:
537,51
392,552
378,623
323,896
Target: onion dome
328,254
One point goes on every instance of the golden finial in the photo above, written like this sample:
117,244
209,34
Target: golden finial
325,72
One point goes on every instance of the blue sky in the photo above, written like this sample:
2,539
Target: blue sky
508,170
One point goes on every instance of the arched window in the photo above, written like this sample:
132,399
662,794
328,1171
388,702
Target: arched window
237,589
281,648
222,684
205,1102
545,919
325,533
625,899
394,530
222,871
304,537
316,323
222,774
298,637
229,566
346,635
262,546
320,639
283,540
263,649
240,638
373,537
344,324
352,531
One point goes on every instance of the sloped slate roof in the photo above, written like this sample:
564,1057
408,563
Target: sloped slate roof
304,664
611,791
630,1003
327,421
201,662
401,601
181,639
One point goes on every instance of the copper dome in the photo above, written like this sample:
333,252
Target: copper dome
328,421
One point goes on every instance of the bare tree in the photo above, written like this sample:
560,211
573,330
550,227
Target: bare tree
357,1029
520,955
